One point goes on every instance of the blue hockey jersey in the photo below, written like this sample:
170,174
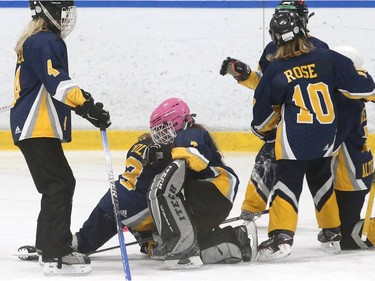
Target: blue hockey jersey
196,146
271,48
300,94
44,94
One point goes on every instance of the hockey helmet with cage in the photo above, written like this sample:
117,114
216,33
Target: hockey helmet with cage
61,16
286,26
298,7
171,116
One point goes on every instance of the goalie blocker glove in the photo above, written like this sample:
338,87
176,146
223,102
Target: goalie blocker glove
239,70
93,112
156,155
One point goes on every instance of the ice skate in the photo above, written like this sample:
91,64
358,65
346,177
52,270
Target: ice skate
276,247
27,253
330,240
72,264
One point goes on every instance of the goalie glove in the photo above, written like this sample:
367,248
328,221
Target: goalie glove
239,70
156,155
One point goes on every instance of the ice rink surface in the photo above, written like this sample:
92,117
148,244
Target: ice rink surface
19,207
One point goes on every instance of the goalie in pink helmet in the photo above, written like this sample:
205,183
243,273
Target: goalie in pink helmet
170,116
194,194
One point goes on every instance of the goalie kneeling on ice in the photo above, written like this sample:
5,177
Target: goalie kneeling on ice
175,230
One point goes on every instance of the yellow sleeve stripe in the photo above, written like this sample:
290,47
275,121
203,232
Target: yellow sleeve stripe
270,122
69,93
253,80
191,155
370,96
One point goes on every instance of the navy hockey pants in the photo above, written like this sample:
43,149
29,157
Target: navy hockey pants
101,225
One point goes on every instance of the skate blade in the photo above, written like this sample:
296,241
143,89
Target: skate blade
268,255
189,263
27,253
50,269
27,256
332,247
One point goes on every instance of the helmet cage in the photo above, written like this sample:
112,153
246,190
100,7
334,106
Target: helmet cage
62,15
68,20
163,133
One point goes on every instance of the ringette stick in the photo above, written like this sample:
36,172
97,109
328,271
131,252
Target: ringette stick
370,204
115,247
116,205
34,255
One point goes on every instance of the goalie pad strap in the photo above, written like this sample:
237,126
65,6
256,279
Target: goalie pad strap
166,205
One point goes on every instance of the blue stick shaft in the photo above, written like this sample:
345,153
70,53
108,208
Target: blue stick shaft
116,205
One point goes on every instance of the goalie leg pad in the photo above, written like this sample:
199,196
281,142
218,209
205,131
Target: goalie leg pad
226,245
170,216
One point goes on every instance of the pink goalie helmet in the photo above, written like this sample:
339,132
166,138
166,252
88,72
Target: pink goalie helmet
168,118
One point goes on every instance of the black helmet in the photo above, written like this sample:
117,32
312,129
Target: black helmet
298,7
61,15
285,26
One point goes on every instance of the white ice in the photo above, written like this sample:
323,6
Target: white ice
19,206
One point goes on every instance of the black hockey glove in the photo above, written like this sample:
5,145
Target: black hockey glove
93,112
239,70
270,136
156,155
224,66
